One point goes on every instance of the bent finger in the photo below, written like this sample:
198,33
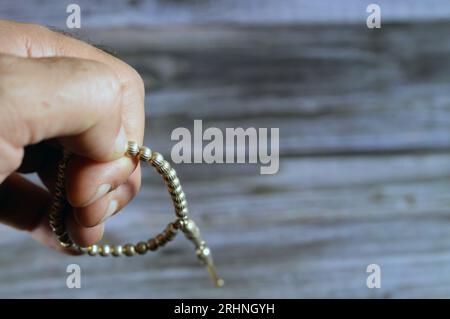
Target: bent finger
51,97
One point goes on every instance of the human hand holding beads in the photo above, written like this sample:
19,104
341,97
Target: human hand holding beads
183,222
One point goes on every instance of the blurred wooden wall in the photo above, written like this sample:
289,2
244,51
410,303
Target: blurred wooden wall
364,177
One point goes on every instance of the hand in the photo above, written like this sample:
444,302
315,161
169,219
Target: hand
56,91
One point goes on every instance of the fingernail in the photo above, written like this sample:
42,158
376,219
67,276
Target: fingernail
112,207
102,190
121,143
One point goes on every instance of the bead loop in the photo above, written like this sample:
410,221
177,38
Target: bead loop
182,222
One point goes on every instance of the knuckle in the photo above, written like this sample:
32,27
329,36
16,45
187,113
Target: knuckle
111,84
107,88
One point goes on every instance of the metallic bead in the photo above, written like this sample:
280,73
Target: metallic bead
181,205
129,250
55,229
183,212
204,255
133,148
105,250
192,231
93,250
156,159
175,190
152,244
141,248
53,221
145,154
83,250
189,224
177,224
59,230
170,232
117,251
175,183
171,175
172,227
64,240
179,198
203,252
161,239
164,168
183,223
65,244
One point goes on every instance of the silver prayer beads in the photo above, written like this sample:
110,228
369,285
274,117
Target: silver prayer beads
182,222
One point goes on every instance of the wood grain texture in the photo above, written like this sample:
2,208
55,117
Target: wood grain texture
364,175
104,13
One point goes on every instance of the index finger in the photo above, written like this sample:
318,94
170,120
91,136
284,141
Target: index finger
30,40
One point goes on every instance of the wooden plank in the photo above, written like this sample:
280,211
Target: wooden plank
331,91
309,231
157,12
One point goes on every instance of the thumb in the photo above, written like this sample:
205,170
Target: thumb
77,100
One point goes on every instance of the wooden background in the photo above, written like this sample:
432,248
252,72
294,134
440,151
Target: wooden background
364,174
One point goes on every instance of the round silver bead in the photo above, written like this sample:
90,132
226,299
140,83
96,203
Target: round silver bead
204,251
93,250
117,251
145,154
105,250
161,239
141,248
152,244
129,250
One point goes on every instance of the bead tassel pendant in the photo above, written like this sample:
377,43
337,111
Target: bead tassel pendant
182,222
